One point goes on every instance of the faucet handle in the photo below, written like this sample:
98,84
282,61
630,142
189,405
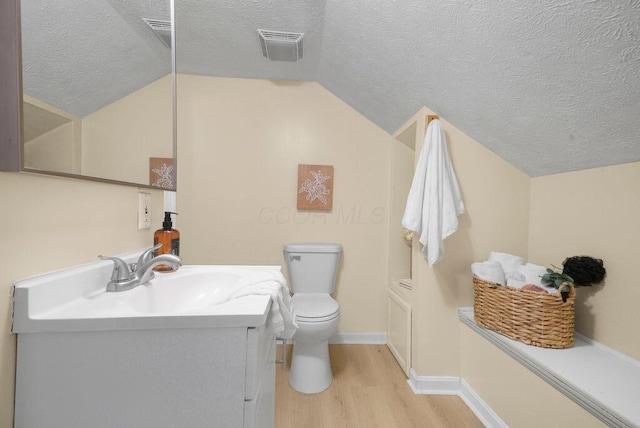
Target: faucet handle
120,268
147,255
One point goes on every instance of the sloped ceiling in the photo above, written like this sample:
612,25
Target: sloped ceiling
549,85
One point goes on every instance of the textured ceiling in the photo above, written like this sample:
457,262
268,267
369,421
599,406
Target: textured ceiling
82,55
549,85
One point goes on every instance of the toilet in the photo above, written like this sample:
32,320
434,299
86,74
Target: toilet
313,268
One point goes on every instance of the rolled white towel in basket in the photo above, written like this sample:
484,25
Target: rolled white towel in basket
515,275
489,271
533,273
515,283
509,262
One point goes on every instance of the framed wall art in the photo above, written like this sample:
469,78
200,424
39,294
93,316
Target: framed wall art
162,173
315,187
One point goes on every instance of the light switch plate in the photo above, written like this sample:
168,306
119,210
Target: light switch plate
144,210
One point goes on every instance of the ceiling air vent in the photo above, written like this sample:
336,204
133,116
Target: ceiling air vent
280,45
161,28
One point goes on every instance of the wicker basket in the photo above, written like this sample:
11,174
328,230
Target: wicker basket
539,319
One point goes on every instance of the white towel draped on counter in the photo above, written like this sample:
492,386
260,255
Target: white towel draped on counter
434,202
271,283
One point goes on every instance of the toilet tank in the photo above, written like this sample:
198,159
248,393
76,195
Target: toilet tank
312,267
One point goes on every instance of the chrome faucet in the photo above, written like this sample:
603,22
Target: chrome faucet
125,277
145,258
145,272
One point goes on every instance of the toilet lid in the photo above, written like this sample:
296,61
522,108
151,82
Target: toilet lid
314,306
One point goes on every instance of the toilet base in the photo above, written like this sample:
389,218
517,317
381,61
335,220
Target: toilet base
310,367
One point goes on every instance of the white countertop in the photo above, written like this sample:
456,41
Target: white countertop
75,299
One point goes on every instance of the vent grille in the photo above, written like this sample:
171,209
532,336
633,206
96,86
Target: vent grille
281,45
161,28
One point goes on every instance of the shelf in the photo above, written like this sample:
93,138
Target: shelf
601,380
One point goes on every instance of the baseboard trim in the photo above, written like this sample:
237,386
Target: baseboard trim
367,338
451,385
433,385
478,406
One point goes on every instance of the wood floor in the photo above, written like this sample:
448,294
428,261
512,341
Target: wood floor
369,390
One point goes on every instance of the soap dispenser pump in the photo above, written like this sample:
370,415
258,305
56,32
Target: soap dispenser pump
170,240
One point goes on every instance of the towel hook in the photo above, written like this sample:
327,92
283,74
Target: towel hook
428,120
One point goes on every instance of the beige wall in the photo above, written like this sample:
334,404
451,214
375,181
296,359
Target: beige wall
50,223
594,212
114,142
591,212
517,395
118,139
59,149
241,141
496,198
399,257
52,151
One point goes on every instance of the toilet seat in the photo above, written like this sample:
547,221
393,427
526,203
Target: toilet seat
315,307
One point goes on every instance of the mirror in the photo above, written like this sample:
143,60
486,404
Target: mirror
99,91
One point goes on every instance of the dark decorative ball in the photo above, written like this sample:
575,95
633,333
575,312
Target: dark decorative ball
584,270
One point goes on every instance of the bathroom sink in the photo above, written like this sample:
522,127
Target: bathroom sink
129,358
190,289
194,296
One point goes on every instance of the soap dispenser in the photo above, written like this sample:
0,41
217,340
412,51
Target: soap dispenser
170,240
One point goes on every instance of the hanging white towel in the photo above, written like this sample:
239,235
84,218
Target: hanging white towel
434,202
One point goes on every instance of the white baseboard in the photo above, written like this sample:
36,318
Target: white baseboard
368,338
481,409
451,385
433,385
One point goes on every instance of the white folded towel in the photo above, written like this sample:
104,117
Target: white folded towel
434,202
271,283
515,275
509,262
516,283
533,273
489,271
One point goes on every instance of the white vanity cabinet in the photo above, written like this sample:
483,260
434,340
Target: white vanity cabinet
219,377
91,359
259,405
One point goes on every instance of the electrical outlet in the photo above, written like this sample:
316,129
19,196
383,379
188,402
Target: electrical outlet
144,210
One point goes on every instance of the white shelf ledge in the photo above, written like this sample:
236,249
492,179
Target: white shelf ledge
601,380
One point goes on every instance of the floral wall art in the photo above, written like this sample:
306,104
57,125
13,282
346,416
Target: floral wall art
315,187
162,173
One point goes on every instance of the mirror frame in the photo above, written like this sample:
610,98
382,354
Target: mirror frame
11,136
10,87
